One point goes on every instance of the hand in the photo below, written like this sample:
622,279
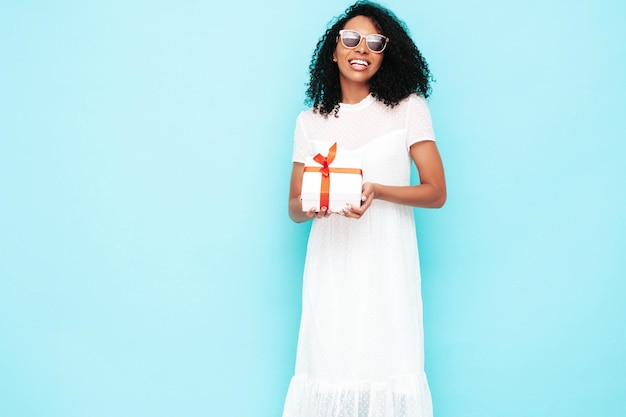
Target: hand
367,196
312,212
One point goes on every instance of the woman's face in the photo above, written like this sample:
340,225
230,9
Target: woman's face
357,65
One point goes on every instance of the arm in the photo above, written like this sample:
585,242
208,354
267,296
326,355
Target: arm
430,193
295,204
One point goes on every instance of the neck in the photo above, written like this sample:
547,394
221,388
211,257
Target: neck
352,93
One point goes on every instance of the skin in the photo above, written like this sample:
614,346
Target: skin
354,82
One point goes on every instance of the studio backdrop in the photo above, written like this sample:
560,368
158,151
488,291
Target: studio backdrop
147,263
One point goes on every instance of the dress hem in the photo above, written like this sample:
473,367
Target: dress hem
400,396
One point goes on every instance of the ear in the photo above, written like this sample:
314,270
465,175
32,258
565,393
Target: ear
334,56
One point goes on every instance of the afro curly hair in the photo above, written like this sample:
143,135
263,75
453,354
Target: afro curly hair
404,70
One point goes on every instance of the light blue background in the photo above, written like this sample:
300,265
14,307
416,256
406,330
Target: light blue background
147,263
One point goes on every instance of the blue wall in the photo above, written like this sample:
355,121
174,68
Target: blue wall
147,263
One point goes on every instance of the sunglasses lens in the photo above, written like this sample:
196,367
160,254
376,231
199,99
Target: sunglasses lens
376,43
350,39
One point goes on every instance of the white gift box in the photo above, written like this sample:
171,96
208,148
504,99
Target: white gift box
343,181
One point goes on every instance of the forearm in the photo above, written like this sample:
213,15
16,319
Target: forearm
295,210
424,195
431,191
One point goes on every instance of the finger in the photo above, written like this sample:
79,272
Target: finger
355,209
367,202
360,211
352,211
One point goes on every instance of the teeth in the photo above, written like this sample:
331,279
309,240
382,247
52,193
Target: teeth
359,62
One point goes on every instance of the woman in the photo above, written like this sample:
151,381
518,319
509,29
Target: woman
360,348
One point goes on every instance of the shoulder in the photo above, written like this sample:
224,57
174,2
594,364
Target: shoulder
308,117
416,104
410,104
415,100
307,114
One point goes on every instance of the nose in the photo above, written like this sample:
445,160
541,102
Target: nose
362,46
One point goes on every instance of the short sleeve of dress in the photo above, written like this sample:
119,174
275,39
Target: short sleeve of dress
300,142
419,124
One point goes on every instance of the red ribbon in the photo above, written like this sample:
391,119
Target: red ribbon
325,170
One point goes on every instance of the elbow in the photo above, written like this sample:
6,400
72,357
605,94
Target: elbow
438,204
294,217
297,219
297,215
440,200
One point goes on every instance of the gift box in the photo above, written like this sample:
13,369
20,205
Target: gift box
331,181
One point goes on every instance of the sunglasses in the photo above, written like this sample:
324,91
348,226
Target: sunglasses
375,42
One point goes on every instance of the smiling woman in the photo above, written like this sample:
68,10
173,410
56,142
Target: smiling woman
357,64
360,349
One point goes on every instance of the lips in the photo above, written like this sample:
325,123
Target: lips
358,64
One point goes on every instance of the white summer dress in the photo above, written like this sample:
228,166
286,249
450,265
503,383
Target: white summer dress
360,349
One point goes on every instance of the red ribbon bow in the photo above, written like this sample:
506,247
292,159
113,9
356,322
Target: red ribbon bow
324,161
